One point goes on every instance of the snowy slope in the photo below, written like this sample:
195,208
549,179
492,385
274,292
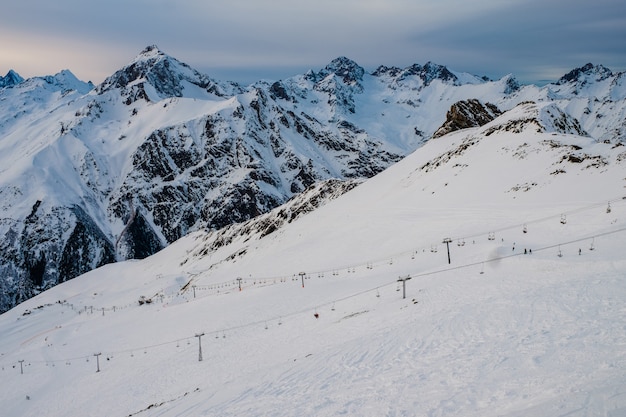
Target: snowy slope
497,332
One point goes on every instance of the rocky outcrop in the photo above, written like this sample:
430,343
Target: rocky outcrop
466,114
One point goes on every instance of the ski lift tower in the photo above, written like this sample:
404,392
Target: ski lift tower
447,242
199,336
404,280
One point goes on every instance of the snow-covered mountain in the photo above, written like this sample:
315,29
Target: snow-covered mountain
90,175
12,78
520,313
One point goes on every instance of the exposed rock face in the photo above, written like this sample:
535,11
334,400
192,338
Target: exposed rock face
310,199
49,245
465,114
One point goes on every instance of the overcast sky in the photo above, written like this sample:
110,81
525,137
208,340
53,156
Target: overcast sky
248,40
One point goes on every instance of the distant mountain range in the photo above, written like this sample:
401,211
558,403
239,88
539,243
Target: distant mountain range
91,175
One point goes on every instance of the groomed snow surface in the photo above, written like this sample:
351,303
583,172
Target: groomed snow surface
536,335
495,332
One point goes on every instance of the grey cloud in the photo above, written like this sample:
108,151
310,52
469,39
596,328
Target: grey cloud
529,38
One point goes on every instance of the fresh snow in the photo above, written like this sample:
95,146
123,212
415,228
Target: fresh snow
497,332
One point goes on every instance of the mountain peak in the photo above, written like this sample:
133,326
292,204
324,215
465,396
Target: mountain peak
149,52
511,84
66,80
12,78
587,72
431,71
346,69
164,73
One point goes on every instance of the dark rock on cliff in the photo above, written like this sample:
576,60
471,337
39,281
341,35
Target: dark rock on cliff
466,114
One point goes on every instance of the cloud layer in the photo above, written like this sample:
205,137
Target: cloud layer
245,40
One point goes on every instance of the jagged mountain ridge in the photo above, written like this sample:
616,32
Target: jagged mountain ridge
158,150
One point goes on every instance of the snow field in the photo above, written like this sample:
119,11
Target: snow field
531,332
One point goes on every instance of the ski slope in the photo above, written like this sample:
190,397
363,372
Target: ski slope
498,331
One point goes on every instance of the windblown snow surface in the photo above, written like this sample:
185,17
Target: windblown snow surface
527,319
